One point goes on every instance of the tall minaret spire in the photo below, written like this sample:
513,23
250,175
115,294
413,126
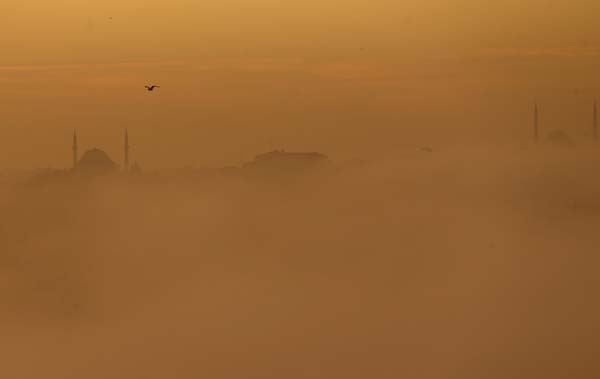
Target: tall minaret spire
74,148
595,120
536,122
126,150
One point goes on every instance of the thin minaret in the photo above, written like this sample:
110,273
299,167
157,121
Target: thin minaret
536,123
595,120
126,150
74,148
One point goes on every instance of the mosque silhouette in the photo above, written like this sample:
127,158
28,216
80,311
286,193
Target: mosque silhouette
96,161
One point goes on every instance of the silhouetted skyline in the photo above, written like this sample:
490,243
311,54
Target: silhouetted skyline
352,80
299,189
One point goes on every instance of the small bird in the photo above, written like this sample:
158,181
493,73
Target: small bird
151,88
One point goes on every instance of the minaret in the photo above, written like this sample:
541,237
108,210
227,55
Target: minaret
126,150
536,123
595,121
74,148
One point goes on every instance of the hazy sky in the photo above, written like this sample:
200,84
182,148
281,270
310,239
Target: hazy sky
348,78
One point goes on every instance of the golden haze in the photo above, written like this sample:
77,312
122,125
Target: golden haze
440,242
240,76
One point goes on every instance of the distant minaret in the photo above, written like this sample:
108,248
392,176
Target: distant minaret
126,150
536,123
595,121
74,148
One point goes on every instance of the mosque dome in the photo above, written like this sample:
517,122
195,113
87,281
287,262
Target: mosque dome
95,161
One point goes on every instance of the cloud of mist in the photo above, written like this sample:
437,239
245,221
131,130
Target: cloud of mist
430,265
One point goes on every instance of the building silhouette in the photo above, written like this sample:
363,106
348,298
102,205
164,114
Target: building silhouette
97,161
279,160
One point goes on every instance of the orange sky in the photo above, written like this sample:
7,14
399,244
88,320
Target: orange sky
238,77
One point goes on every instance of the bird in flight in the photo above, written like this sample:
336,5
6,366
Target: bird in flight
151,88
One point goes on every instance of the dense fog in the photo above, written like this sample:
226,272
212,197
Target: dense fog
451,263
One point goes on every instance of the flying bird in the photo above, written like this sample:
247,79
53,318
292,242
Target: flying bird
151,88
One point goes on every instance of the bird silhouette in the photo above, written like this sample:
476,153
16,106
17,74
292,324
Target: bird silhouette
151,88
